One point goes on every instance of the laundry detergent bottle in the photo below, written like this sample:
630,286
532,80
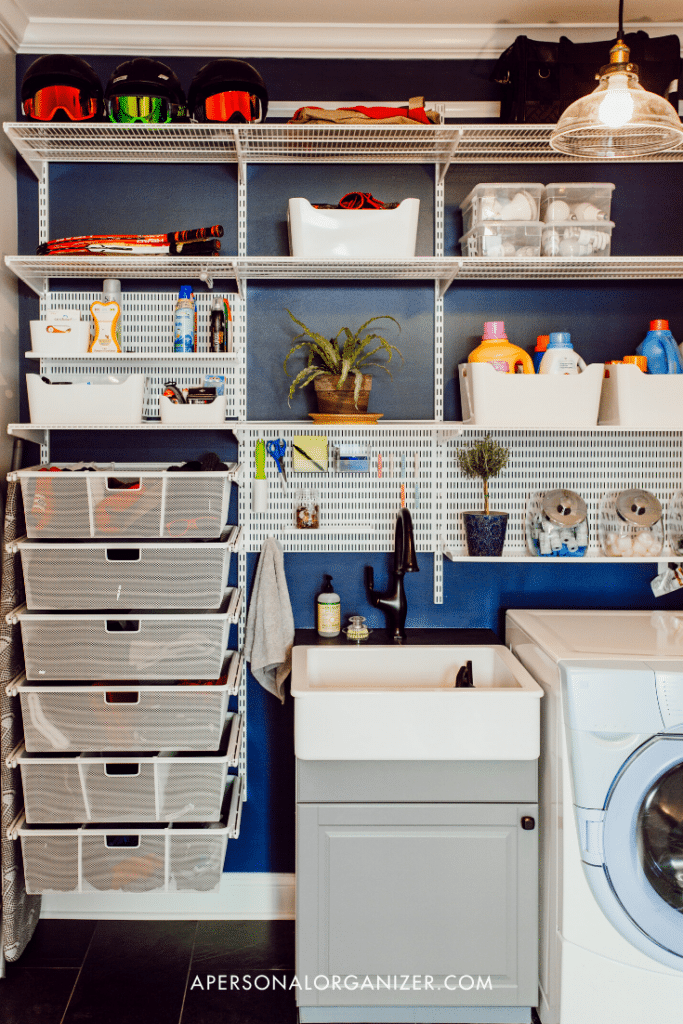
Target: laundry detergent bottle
501,353
560,356
660,349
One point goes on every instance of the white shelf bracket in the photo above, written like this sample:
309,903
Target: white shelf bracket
444,436
241,163
442,168
446,282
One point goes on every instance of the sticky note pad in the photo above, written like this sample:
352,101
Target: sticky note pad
309,454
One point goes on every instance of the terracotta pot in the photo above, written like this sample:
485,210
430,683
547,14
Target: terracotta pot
485,533
333,401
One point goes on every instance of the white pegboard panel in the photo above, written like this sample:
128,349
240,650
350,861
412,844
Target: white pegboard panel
357,510
147,331
588,462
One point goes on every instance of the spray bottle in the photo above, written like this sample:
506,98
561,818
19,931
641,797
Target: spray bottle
184,322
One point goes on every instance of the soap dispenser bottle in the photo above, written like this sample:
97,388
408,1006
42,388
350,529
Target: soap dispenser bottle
329,610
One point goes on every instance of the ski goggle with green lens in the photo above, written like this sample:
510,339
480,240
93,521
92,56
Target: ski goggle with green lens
143,109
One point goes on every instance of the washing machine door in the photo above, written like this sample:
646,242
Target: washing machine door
643,848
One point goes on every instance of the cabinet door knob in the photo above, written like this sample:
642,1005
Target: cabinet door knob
528,823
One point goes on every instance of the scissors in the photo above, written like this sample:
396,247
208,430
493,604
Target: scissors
276,449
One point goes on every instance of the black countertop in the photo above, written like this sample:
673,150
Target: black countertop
416,637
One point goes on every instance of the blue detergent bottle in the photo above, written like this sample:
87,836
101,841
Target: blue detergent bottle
660,349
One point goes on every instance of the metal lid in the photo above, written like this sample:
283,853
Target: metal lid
566,508
639,507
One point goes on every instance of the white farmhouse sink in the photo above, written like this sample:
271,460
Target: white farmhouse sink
400,703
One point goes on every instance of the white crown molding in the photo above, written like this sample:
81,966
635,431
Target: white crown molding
243,896
13,24
284,39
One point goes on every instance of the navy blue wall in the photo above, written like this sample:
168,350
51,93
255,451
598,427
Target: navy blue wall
606,319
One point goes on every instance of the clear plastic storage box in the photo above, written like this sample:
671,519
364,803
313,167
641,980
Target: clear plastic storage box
503,238
109,716
156,858
140,500
577,239
114,645
86,575
168,786
501,201
581,200
631,524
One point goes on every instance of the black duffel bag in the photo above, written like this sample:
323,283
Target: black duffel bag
539,80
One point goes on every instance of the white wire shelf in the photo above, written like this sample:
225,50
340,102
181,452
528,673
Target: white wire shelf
283,143
36,271
161,357
596,558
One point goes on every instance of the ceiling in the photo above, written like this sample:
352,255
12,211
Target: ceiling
366,28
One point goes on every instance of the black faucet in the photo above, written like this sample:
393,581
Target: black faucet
393,603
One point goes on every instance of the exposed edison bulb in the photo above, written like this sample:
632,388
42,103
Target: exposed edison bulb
616,109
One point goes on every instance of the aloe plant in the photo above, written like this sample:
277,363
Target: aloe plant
483,459
347,353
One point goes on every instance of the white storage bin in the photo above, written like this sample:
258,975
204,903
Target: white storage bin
152,645
577,200
70,338
631,398
64,716
501,201
125,500
352,234
577,239
193,415
503,238
168,858
86,401
169,786
99,575
530,400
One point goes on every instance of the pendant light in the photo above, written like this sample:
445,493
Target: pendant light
619,119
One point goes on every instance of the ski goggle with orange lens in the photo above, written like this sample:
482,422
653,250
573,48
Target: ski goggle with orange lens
46,102
230,106
143,109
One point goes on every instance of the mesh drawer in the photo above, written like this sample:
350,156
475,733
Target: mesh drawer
63,717
161,645
124,500
81,788
93,575
134,859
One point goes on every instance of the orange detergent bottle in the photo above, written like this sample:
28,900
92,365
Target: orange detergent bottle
497,350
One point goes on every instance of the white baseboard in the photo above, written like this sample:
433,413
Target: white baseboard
242,896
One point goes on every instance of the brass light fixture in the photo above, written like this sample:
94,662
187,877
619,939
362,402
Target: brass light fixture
619,119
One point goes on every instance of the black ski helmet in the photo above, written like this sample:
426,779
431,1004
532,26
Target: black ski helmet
227,74
144,76
62,69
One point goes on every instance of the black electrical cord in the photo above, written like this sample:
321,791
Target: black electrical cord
621,20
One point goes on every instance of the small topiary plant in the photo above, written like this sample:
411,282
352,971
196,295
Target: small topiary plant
483,459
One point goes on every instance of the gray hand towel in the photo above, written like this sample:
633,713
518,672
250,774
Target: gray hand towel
270,622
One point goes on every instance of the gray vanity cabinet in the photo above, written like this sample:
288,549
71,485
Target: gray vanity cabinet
422,886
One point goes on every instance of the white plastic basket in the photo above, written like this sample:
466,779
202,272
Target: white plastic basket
86,400
85,575
650,401
530,400
169,786
137,717
168,858
352,234
70,338
193,415
152,645
125,500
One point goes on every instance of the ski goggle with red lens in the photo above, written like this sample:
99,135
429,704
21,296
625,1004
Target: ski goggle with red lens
229,106
143,109
76,103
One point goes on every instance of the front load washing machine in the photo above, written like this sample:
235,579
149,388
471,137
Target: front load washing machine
610,812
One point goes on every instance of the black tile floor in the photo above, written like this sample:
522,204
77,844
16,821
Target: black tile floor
152,972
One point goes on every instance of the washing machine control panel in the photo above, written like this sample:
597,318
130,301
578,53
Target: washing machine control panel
670,696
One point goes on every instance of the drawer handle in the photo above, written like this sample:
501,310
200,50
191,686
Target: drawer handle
129,842
122,697
129,484
122,625
122,769
123,554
